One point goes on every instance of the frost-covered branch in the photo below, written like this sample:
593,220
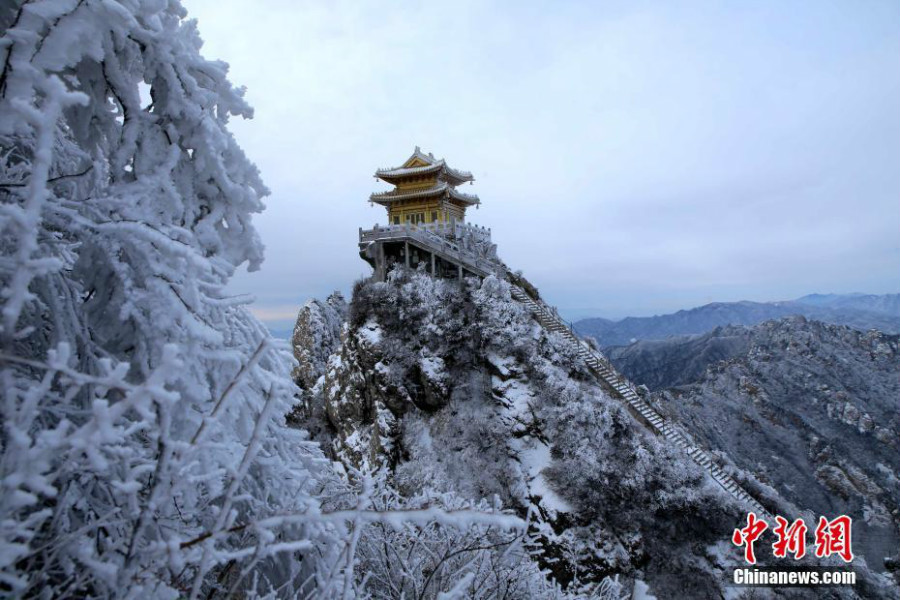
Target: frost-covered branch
144,445
139,408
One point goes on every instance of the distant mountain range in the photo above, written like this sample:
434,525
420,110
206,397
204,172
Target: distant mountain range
861,311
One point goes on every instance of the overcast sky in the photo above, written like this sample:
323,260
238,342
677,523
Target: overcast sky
631,158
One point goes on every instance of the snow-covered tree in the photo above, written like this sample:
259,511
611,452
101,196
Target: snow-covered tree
144,450
143,446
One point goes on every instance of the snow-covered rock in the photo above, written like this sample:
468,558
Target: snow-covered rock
459,394
455,389
808,407
317,334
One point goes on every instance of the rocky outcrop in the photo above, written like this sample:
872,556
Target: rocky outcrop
660,364
810,408
316,336
454,389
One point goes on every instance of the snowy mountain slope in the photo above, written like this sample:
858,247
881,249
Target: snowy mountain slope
457,390
856,310
811,408
678,360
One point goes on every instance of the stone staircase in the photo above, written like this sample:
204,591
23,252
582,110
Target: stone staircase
605,372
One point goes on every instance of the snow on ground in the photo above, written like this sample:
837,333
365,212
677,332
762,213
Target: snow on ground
432,367
642,591
371,332
501,363
535,458
516,393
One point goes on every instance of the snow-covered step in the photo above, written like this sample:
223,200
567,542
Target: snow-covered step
604,370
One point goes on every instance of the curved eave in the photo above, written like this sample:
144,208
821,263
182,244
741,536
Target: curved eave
460,176
393,196
399,174
468,199
386,198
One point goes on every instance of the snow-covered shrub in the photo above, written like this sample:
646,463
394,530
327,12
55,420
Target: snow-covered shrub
473,558
524,421
143,451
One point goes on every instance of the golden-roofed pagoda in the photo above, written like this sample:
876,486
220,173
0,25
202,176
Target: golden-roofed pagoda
424,191
426,232
426,223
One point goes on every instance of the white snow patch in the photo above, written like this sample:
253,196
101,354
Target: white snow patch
642,591
432,367
535,459
516,392
335,361
726,557
371,333
501,363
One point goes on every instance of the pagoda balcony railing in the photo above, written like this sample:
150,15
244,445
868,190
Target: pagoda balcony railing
459,231
475,232
436,236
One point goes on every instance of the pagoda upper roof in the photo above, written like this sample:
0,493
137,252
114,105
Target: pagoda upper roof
442,188
419,164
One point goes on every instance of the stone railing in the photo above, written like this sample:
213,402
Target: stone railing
475,232
434,239
450,230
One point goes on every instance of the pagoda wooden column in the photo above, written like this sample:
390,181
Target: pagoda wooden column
406,253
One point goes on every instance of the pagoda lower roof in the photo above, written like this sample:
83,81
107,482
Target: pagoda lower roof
441,189
399,173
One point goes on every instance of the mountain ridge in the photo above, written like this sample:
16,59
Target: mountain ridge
479,402
860,311
809,407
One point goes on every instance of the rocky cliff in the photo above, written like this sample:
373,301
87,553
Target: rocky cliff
810,408
453,389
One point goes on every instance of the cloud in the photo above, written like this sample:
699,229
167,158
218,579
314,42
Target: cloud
282,312
622,150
